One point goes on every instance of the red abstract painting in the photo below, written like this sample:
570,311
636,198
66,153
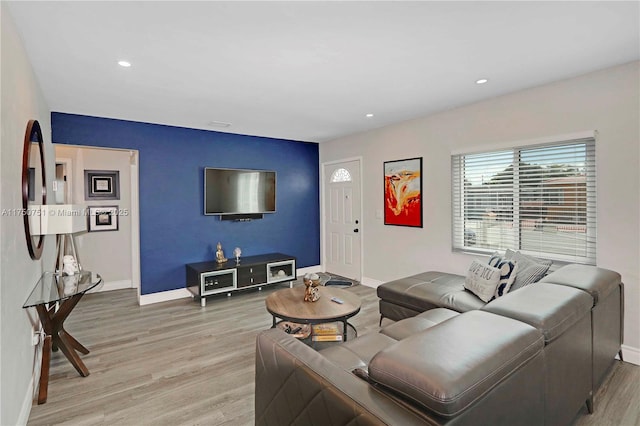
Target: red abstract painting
403,192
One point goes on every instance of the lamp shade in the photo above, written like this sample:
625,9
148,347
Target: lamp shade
62,219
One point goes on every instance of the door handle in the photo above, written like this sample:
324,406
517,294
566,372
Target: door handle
356,230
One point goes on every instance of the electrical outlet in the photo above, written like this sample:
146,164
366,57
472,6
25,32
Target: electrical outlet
35,339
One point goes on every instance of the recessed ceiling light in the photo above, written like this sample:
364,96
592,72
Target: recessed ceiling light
369,115
214,123
481,81
124,64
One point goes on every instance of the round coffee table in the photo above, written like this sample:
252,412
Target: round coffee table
288,304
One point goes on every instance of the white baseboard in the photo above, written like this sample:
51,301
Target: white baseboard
370,282
631,354
27,402
164,296
30,394
115,285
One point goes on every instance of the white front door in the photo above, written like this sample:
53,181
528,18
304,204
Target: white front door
342,219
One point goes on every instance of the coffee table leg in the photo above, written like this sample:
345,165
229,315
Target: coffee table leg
344,330
273,324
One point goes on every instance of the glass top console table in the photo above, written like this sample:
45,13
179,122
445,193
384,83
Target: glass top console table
54,297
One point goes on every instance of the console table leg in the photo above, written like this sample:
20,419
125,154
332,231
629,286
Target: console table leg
43,384
75,344
67,349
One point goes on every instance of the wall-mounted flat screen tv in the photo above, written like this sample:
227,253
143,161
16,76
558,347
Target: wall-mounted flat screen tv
239,191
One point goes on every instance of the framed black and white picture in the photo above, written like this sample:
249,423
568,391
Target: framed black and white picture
101,185
104,218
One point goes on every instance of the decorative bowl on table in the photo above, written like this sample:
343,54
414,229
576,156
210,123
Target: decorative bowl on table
299,331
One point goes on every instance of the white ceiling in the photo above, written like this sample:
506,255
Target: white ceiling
310,70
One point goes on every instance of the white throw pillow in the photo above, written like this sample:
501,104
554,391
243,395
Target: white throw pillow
482,280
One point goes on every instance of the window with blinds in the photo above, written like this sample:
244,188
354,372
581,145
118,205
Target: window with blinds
538,199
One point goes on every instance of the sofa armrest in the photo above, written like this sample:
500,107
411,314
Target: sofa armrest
294,384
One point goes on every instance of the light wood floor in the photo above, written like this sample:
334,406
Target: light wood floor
176,363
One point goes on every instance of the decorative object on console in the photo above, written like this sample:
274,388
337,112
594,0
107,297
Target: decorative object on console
237,252
101,185
220,254
103,218
311,293
403,192
69,265
70,283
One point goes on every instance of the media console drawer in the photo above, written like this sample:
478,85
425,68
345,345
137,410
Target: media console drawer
210,278
251,275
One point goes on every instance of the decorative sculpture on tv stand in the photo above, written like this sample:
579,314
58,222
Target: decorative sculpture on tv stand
220,254
237,252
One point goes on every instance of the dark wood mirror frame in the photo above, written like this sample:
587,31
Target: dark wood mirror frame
35,243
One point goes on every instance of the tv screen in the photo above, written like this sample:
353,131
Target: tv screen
239,191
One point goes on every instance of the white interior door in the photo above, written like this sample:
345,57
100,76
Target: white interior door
342,208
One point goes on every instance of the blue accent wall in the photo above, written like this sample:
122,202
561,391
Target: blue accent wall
173,229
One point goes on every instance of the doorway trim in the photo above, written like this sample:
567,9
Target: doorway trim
67,163
362,226
134,213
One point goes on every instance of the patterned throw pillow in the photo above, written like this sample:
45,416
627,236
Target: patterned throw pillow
530,269
482,280
508,269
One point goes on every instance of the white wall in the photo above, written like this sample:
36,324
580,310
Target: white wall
607,101
107,253
21,100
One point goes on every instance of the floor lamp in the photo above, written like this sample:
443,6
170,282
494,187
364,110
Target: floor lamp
63,220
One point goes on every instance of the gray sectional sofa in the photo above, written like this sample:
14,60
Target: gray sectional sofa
532,357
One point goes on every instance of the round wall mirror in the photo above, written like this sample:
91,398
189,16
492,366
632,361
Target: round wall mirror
34,185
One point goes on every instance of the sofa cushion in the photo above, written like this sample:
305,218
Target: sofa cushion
461,301
598,282
530,269
430,290
482,280
481,351
357,353
409,326
550,308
